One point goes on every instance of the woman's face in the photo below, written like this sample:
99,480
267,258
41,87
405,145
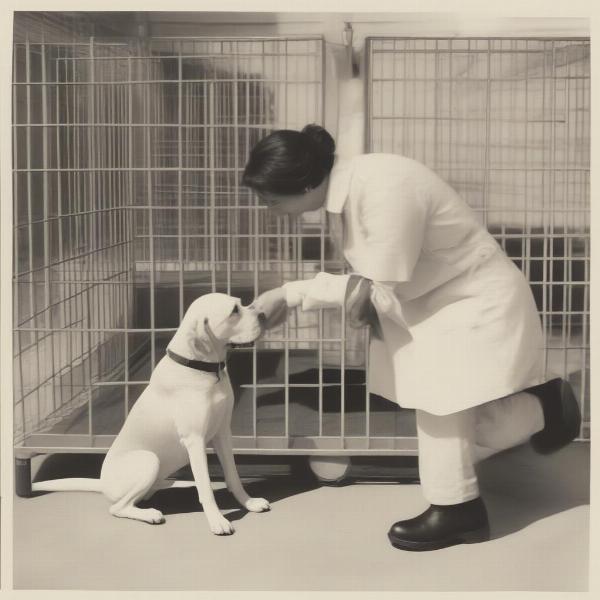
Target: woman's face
296,204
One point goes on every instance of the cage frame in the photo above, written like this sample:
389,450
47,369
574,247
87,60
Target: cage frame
342,445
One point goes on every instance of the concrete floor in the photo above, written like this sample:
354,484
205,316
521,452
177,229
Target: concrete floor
317,538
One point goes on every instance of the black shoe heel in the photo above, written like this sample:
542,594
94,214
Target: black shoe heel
562,416
477,535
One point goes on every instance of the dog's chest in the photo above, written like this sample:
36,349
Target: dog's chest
205,412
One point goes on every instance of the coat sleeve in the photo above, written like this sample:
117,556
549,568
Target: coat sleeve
324,291
393,221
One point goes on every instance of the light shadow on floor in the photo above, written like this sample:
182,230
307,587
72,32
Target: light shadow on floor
521,487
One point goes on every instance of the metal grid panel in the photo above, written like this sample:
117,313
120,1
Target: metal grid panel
70,235
507,123
127,204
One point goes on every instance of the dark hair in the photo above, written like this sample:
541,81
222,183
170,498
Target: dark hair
290,162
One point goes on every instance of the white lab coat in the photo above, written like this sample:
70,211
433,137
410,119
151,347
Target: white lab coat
460,325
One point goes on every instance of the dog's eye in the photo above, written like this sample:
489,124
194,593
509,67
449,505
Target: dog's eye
236,310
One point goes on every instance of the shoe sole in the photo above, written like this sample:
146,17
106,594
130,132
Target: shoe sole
468,537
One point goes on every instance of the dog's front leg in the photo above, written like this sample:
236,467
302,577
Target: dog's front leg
196,448
224,449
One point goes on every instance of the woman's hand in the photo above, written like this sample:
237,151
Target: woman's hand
273,305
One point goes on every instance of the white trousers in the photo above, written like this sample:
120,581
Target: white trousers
451,445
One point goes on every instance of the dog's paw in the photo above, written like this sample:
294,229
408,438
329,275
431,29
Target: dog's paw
219,525
154,516
257,505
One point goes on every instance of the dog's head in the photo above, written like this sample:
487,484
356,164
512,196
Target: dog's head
224,319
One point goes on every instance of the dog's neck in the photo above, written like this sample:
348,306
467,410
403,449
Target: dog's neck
194,348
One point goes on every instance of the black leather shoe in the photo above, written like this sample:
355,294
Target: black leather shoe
442,526
562,416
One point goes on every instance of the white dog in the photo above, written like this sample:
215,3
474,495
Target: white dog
187,404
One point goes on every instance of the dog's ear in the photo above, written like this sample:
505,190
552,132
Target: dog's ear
197,338
204,314
196,330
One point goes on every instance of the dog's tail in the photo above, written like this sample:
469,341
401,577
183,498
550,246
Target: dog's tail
72,484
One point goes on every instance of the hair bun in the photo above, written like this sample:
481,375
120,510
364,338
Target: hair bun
322,140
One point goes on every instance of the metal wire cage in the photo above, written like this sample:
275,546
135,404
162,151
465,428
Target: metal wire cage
127,161
127,156
507,123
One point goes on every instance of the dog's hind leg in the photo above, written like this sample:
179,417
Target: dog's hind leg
126,479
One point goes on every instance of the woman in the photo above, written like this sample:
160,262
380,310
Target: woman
459,338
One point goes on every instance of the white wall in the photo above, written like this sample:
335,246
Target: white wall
364,24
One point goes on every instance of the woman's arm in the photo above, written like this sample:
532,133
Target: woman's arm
364,300
323,291
393,213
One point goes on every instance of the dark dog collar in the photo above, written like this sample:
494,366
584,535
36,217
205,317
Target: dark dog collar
199,365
